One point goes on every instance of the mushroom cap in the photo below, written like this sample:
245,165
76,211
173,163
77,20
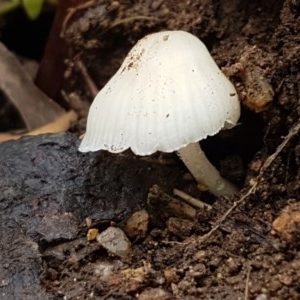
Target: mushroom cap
168,93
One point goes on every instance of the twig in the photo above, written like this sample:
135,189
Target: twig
191,200
293,131
247,285
87,78
227,213
71,13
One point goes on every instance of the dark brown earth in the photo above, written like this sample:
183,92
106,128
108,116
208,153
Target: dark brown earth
48,189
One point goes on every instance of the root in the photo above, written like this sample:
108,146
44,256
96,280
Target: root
293,131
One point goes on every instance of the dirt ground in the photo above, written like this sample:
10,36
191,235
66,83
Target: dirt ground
245,247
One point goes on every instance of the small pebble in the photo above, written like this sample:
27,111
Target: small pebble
92,234
137,225
287,223
114,240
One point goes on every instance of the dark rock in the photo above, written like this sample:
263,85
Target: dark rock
45,178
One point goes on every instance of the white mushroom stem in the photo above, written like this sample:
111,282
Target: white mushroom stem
204,172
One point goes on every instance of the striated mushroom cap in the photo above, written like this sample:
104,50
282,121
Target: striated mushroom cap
168,93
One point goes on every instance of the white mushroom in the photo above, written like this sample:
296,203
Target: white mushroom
167,95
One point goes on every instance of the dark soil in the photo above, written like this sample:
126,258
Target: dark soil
48,189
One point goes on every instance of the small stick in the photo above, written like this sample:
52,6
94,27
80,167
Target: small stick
87,78
247,285
191,200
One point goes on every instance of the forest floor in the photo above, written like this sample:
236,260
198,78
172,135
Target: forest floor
244,247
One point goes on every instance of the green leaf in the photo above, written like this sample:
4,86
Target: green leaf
33,8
